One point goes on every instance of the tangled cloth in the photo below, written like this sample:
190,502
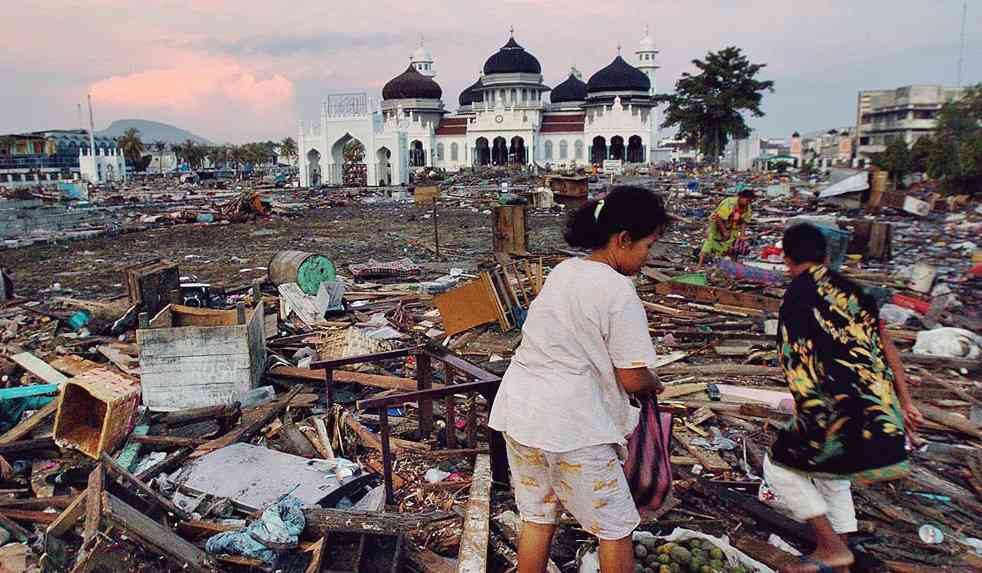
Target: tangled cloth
277,530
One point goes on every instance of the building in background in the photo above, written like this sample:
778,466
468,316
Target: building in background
47,157
741,153
904,113
504,118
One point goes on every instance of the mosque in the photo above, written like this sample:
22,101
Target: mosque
507,117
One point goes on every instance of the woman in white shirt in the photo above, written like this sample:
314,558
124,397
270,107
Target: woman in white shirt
563,405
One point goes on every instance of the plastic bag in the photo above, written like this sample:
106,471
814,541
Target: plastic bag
277,530
648,466
950,342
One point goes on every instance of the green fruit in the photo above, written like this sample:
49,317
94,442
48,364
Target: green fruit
716,564
695,566
664,559
640,551
651,560
681,555
716,553
649,542
675,567
694,543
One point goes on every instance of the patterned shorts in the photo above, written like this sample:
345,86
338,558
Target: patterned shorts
588,482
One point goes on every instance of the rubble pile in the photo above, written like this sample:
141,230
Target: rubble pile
328,410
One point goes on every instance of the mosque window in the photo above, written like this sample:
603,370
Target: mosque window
439,151
578,149
563,149
548,148
453,151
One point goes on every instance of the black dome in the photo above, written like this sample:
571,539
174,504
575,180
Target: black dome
512,59
470,94
573,89
619,76
411,84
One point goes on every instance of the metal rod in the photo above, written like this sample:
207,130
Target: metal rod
383,419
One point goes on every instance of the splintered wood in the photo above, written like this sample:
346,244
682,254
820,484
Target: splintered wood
473,556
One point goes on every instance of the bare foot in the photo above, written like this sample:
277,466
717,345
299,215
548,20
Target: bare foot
823,562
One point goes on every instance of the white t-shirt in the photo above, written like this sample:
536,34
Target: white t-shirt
560,394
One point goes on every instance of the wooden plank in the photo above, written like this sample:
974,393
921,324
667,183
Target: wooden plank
941,361
154,536
39,368
719,296
723,369
67,519
345,376
676,390
73,365
950,420
125,362
322,521
325,438
466,306
769,555
93,506
165,465
316,557
27,426
248,431
130,481
473,555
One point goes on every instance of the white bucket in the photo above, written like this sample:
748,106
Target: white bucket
922,277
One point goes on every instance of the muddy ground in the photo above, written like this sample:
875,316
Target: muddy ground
235,254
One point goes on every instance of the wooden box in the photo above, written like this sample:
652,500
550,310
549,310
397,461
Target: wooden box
95,410
195,357
152,284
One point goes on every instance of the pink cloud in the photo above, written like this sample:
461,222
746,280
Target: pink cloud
193,84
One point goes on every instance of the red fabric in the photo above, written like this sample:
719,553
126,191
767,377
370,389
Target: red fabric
648,467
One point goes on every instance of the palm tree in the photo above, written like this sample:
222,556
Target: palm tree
131,145
288,148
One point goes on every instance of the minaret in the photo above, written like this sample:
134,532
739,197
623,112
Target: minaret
646,59
422,60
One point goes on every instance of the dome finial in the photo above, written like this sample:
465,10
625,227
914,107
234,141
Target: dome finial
511,31
618,49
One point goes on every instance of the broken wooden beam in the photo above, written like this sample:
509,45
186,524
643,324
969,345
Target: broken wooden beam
67,519
27,426
322,521
719,296
154,536
248,431
950,420
130,481
473,556
345,376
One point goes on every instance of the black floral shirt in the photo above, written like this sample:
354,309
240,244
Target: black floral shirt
848,423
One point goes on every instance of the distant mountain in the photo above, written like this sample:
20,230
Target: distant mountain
151,131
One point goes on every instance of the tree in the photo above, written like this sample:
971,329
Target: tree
131,145
956,153
288,148
895,160
920,153
353,151
708,107
191,153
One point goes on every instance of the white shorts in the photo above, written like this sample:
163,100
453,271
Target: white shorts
587,482
808,498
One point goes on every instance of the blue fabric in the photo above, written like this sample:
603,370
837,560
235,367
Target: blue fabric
276,531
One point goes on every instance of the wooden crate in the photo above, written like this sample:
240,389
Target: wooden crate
151,284
195,357
94,412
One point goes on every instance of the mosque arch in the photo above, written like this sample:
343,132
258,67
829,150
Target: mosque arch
578,149
384,168
598,151
617,148
548,150
453,151
516,152
499,151
439,151
635,149
314,168
417,155
482,151
563,150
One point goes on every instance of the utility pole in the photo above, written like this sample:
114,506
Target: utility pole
95,160
961,47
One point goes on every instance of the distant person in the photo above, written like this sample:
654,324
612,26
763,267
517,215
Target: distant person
727,225
564,404
851,401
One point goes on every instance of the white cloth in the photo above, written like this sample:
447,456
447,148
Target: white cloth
560,394
808,498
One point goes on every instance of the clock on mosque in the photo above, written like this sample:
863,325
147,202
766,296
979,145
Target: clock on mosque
499,118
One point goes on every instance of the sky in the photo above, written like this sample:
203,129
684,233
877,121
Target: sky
244,70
